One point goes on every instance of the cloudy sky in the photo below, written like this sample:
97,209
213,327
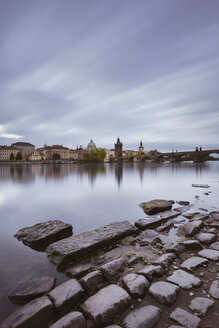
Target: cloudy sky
72,70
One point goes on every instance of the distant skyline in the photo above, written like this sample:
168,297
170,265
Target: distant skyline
74,70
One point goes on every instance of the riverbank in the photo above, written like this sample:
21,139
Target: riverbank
161,270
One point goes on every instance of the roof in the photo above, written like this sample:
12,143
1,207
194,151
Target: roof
91,144
23,144
8,147
56,147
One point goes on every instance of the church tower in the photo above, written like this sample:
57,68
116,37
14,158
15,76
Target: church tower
118,150
141,147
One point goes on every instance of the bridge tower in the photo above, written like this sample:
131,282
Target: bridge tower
141,147
118,150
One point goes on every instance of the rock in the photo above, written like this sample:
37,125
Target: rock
148,223
73,319
42,234
215,216
79,270
106,304
165,260
174,326
149,237
136,285
165,226
113,326
67,295
209,254
30,289
35,314
112,270
200,185
211,230
183,202
151,271
184,280
182,209
214,289
185,318
206,238
76,247
144,317
191,228
92,282
192,245
215,246
201,305
168,215
156,206
135,259
177,248
193,263
164,292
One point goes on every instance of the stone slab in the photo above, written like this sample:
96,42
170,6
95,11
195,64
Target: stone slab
209,254
200,185
215,246
201,305
191,228
215,216
30,289
106,304
76,247
151,271
165,260
67,295
73,319
42,234
144,317
35,314
178,248
214,289
136,285
192,245
193,263
112,270
185,318
92,282
206,238
148,237
156,206
164,292
78,270
148,223
184,280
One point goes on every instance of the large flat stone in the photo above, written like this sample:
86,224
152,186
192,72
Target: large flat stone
106,304
193,263
78,270
73,319
30,289
215,246
165,260
191,228
214,289
92,282
209,254
148,237
144,317
192,245
164,292
35,314
206,238
185,318
184,280
151,271
215,216
201,305
148,223
42,234
178,248
156,206
136,285
67,295
112,270
75,247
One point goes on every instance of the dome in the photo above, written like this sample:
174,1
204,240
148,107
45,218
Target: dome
91,145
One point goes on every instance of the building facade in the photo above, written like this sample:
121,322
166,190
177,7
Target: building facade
6,151
37,155
25,148
49,151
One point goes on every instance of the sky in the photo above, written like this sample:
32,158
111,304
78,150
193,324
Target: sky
72,70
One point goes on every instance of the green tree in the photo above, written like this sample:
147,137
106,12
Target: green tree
19,156
96,155
111,158
55,156
11,156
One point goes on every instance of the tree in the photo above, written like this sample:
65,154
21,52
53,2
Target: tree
19,156
111,158
55,156
96,155
11,156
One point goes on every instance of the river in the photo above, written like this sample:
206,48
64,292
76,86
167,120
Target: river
87,196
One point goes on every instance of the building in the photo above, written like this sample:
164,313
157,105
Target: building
63,152
91,146
25,148
6,151
110,155
141,147
78,153
118,150
37,155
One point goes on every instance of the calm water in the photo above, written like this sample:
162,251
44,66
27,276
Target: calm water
87,196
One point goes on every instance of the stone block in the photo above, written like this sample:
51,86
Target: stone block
144,317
